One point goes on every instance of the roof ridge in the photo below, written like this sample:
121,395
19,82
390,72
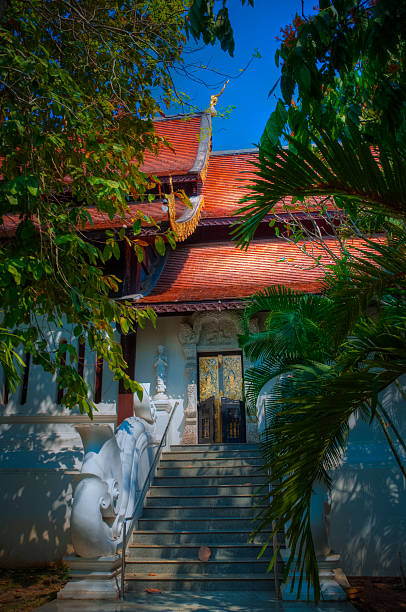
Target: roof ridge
179,116
233,152
230,243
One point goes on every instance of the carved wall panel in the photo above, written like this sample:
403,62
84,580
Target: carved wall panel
208,377
232,376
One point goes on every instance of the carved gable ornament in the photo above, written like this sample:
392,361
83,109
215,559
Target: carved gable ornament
211,329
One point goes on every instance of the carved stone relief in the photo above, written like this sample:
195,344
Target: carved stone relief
190,424
210,328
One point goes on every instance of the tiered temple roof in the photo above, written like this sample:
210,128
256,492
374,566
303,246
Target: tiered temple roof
206,271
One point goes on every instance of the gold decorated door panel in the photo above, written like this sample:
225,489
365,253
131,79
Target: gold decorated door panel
220,376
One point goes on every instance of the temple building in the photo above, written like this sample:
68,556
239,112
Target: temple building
190,362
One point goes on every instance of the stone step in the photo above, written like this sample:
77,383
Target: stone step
191,511
203,495
193,582
211,462
198,538
199,523
256,490
207,501
213,471
213,447
191,552
188,566
208,454
209,481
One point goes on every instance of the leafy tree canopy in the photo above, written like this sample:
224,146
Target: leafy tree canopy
80,83
205,23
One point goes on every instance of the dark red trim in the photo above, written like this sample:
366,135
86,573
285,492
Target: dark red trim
125,407
98,380
175,307
5,393
60,389
125,402
81,358
24,386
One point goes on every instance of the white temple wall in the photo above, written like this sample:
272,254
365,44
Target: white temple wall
40,453
367,520
368,506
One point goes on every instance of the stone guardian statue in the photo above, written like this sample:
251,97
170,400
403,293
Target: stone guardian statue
161,369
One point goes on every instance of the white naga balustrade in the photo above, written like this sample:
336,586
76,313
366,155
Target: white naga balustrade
113,473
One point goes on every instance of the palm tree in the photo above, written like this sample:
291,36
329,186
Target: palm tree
329,355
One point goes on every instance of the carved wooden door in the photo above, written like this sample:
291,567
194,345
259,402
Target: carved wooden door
205,412
232,420
220,377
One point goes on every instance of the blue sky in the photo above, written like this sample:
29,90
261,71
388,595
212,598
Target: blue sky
254,29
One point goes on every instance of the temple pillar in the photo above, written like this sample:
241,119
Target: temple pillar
125,400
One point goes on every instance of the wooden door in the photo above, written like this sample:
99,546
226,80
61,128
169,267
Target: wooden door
220,377
232,420
205,420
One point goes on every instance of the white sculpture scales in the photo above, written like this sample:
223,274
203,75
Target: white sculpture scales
113,472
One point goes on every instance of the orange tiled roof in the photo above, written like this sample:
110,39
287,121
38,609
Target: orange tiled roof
224,184
220,271
223,188
190,139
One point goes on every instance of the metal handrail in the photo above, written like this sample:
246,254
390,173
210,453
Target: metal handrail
141,497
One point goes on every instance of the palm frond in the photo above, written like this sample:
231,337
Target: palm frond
295,325
347,169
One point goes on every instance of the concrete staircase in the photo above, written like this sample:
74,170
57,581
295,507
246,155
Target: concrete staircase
202,496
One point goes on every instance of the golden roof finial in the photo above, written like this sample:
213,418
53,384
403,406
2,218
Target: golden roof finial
213,100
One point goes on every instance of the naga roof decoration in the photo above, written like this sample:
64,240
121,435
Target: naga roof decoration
186,224
172,210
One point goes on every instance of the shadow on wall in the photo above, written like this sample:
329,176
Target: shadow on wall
37,458
36,492
368,517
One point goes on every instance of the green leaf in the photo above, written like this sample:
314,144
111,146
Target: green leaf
274,126
137,227
116,250
139,251
159,244
124,325
32,186
12,199
304,80
287,87
76,300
